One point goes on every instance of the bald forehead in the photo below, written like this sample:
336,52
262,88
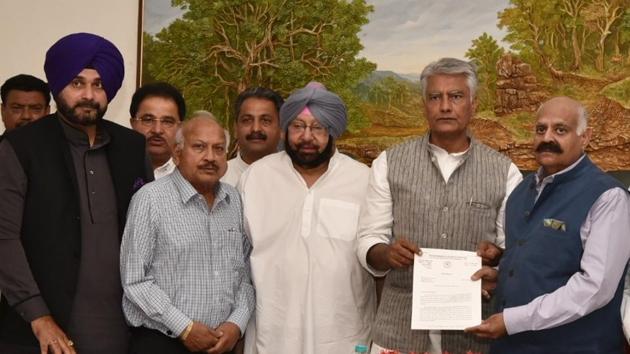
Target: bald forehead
561,107
198,124
200,121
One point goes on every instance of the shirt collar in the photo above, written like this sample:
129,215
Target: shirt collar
543,181
239,160
166,167
440,151
79,138
188,192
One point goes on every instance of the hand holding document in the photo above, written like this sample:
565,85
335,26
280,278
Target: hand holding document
444,296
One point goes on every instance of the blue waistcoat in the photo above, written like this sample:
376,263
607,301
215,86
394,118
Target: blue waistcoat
543,250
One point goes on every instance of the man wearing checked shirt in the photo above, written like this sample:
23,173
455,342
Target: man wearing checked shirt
184,258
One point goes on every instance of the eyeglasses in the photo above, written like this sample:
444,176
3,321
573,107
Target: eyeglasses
299,127
149,121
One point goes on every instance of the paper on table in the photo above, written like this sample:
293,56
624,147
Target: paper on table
444,297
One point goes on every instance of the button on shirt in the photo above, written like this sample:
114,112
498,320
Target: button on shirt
96,313
183,261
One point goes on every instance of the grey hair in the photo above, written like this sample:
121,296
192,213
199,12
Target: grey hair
582,119
200,114
450,66
582,114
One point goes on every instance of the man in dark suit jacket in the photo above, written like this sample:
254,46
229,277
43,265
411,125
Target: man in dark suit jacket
65,185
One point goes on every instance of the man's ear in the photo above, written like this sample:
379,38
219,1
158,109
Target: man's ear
177,153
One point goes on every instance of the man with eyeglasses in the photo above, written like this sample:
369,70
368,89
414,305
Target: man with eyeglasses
157,109
301,208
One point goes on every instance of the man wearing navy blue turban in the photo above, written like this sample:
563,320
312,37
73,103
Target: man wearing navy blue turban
65,185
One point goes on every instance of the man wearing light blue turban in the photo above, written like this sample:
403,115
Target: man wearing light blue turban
301,209
65,185
323,104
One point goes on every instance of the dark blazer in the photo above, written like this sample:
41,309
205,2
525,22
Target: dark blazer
51,228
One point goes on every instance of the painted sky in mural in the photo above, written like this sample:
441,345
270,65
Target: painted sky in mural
403,35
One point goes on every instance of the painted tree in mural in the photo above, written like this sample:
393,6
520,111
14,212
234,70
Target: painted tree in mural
219,48
485,52
600,15
572,9
567,37
534,28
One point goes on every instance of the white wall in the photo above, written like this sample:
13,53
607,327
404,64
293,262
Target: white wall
29,27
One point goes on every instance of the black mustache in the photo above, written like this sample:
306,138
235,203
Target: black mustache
549,147
209,165
256,135
302,146
156,137
88,104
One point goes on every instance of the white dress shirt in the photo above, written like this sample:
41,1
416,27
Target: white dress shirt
312,294
236,167
165,169
604,235
377,219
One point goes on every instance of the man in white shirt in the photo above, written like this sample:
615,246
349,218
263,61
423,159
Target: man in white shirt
257,128
157,110
301,209
442,190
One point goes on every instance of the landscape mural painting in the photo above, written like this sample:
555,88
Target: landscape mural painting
372,52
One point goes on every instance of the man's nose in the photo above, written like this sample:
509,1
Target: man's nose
27,114
308,133
256,126
548,136
156,126
88,92
445,105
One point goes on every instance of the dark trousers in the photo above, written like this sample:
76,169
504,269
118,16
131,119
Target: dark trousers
149,341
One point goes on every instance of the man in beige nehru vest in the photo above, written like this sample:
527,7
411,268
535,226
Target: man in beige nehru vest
442,190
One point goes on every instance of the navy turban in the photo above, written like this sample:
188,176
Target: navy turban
324,105
75,52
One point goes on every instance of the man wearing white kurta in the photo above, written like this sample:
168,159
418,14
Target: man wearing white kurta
301,209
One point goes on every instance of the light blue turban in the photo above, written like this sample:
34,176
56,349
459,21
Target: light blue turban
324,105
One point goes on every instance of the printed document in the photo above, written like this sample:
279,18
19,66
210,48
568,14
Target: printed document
444,297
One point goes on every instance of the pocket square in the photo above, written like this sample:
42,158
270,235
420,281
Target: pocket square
555,224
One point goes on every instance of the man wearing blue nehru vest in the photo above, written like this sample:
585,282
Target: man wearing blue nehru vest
65,184
561,276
